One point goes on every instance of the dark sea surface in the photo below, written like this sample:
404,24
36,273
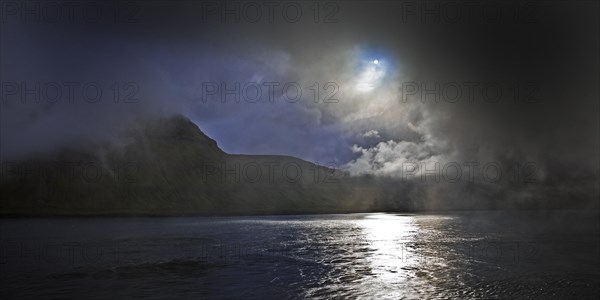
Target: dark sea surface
474,255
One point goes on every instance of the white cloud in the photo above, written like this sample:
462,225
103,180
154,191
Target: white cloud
371,134
390,158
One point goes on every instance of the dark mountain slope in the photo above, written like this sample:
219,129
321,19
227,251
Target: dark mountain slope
169,167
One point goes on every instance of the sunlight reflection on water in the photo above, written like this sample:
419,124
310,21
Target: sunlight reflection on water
389,237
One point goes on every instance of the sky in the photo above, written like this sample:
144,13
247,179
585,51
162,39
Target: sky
371,87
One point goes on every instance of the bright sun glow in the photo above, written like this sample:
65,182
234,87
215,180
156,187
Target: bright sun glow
371,76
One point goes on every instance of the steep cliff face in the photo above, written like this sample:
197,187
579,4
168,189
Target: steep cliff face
170,167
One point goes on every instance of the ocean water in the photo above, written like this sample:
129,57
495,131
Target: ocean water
475,255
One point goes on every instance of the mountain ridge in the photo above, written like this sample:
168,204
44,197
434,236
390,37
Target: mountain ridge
170,167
